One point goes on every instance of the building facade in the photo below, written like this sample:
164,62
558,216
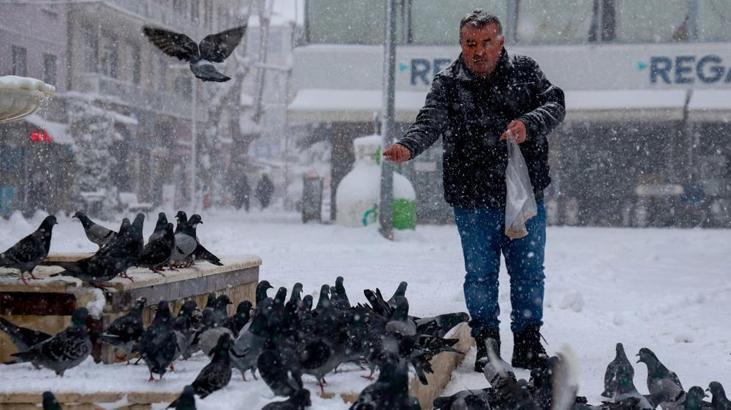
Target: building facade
648,95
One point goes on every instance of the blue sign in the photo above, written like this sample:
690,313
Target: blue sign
686,69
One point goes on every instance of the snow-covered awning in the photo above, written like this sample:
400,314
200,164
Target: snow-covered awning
57,130
330,105
710,105
625,105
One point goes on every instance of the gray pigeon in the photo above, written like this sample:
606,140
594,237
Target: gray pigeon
400,322
30,251
63,351
249,345
185,242
663,384
124,332
200,252
719,400
50,402
96,233
620,366
391,389
214,48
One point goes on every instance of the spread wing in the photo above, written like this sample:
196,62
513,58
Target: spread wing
172,43
217,47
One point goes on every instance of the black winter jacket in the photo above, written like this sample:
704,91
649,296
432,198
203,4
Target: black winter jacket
471,113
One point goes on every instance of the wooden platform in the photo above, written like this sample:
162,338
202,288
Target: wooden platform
47,304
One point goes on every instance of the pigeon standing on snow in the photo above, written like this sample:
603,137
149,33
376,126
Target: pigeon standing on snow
158,344
216,374
63,351
124,332
299,400
30,251
50,402
663,384
214,48
719,400
96,233
186,400
620,366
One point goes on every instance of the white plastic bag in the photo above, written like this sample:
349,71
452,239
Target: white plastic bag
520,204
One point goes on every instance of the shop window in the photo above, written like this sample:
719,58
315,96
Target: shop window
554,22
652,21
714,20
49,69
20,63
346,22
436,22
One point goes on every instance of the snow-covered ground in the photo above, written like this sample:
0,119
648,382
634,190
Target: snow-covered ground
666,289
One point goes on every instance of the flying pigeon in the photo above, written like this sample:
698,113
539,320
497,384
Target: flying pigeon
31,250
96,233
214,48
63,351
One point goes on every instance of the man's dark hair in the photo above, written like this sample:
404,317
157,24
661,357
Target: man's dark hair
479,19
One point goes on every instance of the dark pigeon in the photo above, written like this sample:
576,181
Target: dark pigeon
96,233
299,400
186,400
216,374
620,366
23,338
200,252
214,48
50,402
391,389
63,351
719,400
184,326
464,400
125,331
277,375
158,344
30,251
694,399
158,251
339,297
664,386
440,325
239,319
160,225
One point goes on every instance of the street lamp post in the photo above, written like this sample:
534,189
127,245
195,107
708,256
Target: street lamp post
194,148
385,208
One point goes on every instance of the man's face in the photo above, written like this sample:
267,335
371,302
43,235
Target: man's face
481,47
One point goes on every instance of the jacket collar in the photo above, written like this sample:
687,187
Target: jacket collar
462,73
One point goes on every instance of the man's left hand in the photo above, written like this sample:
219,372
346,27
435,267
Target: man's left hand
517,128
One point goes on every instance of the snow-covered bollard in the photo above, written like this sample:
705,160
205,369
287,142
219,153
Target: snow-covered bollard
21,96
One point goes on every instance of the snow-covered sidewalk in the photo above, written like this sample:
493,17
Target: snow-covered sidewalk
666,289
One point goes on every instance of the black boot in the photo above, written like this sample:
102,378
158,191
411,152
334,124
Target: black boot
480,340
528,353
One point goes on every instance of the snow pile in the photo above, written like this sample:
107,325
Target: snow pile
26,83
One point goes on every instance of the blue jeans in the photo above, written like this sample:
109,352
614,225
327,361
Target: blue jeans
483,239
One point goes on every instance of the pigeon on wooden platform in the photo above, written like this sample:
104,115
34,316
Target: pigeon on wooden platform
30,251
157,252
664,386
158,344
299,400
50,402
96,233
160,225
440,325
124,332
63,351
719,400
214,48
200,252
185,242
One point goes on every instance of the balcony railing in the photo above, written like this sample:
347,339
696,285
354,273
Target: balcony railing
133,94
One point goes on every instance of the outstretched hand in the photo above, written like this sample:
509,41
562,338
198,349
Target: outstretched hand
397,153
518,131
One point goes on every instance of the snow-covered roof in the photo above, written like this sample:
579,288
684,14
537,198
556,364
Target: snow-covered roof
57,130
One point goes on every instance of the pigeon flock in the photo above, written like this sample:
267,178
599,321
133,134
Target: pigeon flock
280,338
118,251
551,387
